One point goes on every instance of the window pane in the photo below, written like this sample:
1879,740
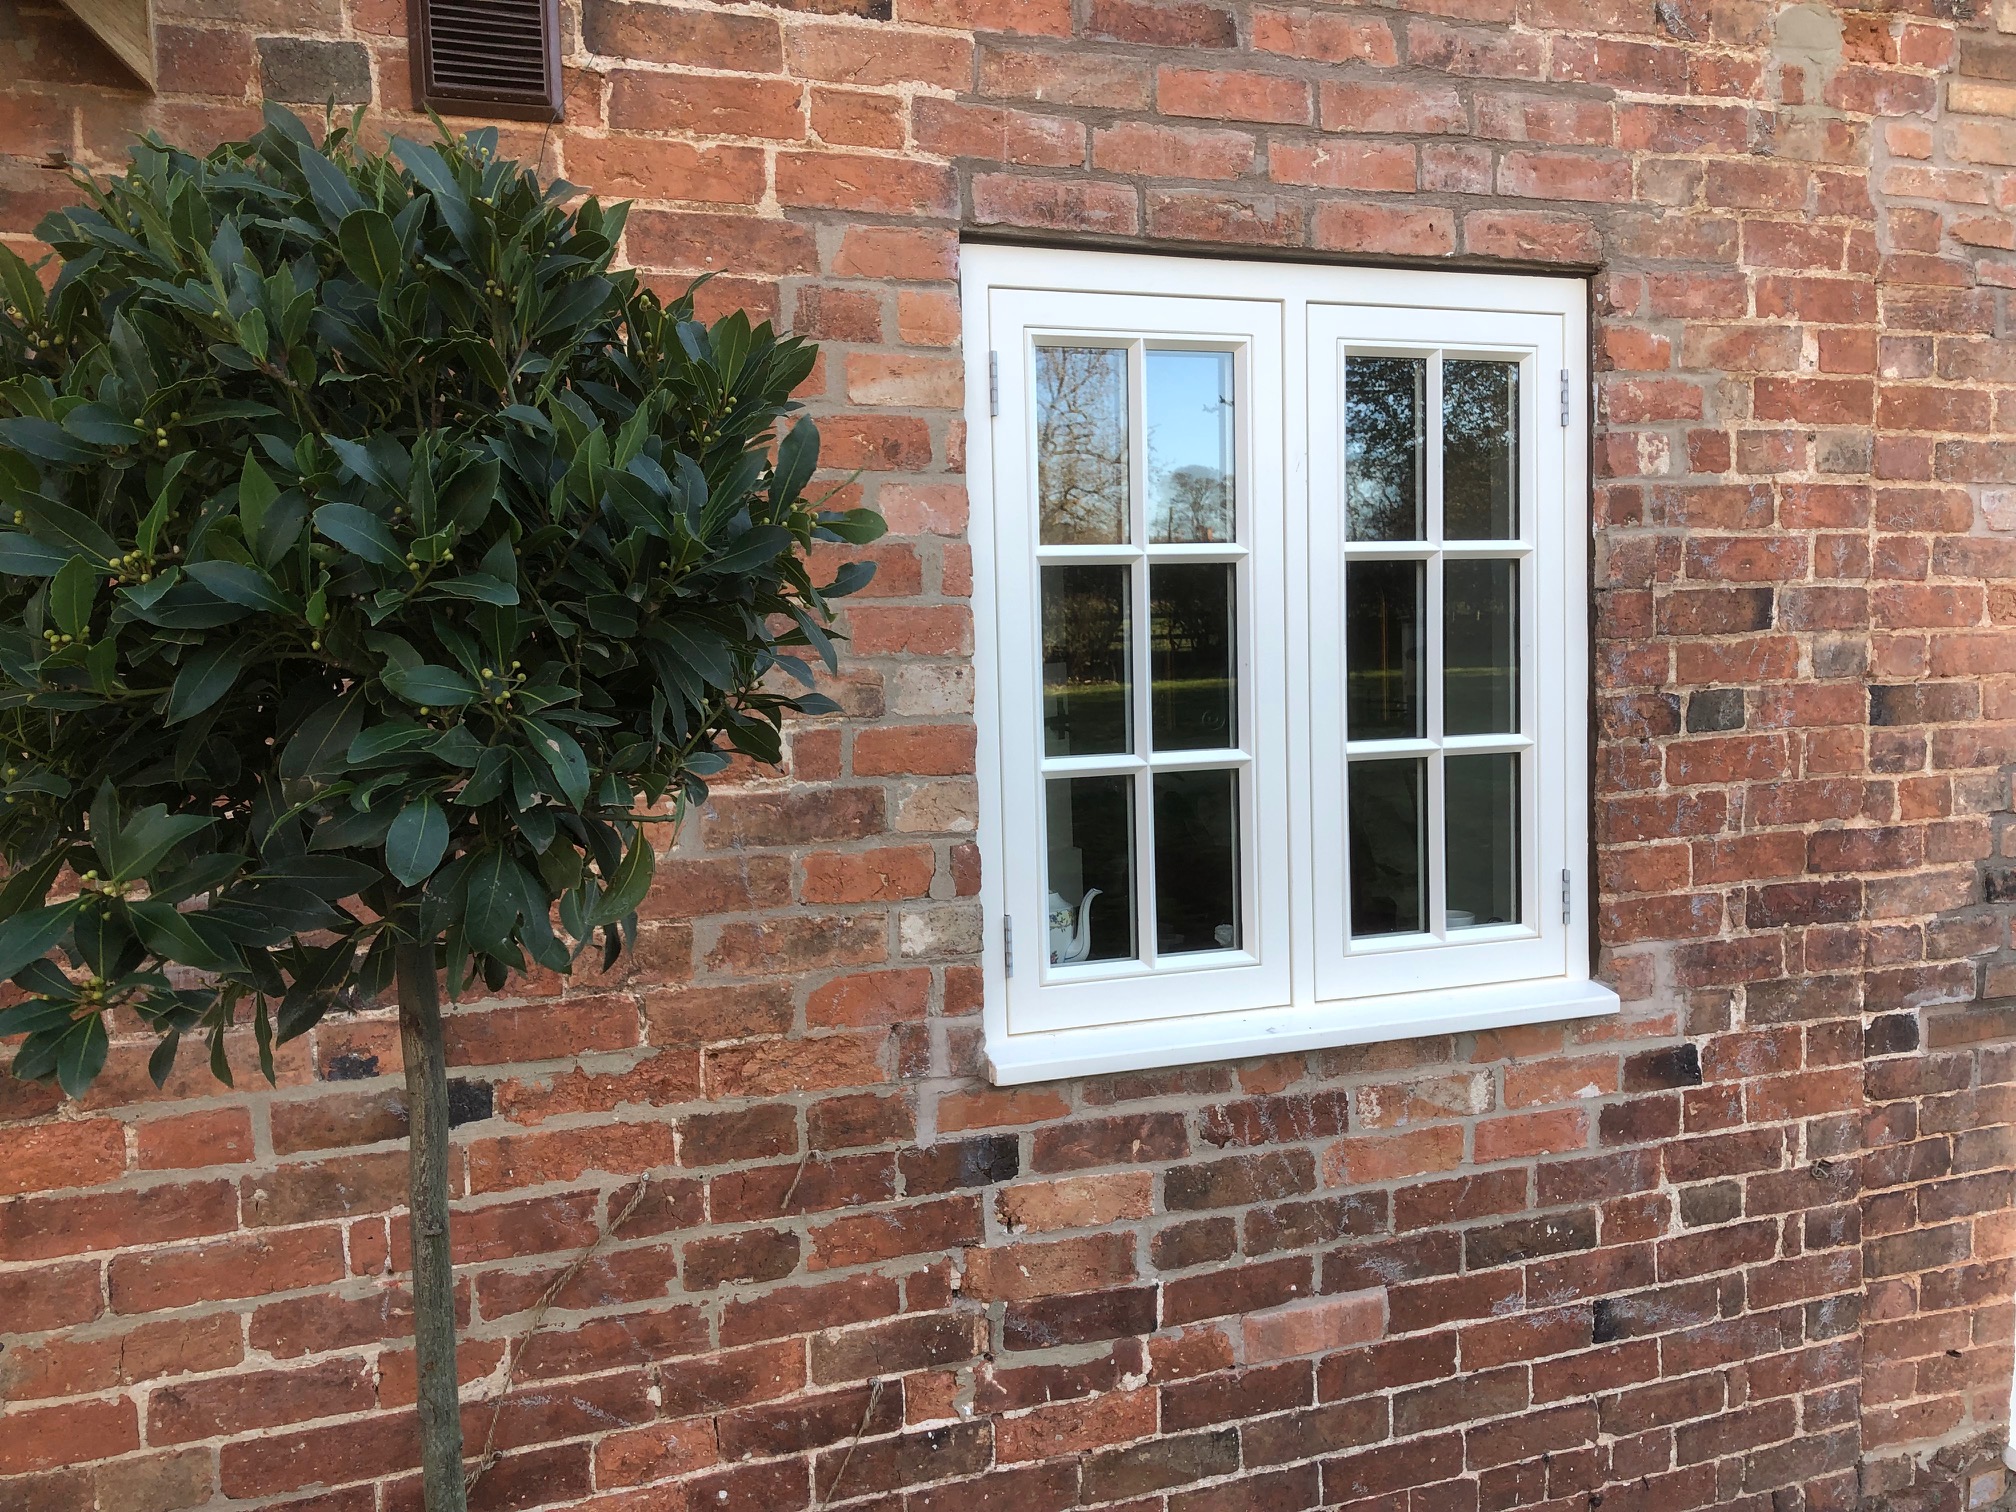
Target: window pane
1480,652
1091,905
1382,650
1383,402
1480,451
1195,697
1389,860
1481,800
1087,692
1196,862
1190,494
1081,444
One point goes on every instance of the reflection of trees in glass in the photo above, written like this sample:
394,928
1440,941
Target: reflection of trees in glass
1382,639
1382,447
1085,633
1190,615
1081,443
1085,623
1480,439
1387,863
1191,504
1480,616
1196,861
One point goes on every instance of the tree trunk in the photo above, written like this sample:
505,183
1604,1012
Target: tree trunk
421,1043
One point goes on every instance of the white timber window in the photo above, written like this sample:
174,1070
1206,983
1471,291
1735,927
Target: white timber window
1281,618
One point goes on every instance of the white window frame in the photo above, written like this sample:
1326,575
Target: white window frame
1295,982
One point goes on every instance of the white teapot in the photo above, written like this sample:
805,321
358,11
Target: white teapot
1070,929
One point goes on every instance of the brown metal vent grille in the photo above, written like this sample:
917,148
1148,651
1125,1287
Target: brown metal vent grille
488,57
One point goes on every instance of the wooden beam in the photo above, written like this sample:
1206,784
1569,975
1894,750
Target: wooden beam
125,26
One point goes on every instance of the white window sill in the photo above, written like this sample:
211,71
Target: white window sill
1018,1058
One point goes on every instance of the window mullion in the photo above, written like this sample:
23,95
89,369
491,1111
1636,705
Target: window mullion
1433,658
1143,648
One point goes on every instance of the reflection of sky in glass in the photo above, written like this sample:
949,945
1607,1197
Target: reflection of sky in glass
1190,446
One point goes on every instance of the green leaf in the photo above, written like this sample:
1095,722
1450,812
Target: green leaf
24,556
145,841
370,247
562,753
331,877
382,740
30,883
335,196
101,425
203,679
849,577
625,887
61,525
426,165
70,595
235,583
431,686
359,460
478,586
797,460
255,492
46,440
162,1061
495,901
857,527
360,531
30,936
80,1055
417,840
173,935
318,746
700,647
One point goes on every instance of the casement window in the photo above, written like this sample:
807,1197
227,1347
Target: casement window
1281,599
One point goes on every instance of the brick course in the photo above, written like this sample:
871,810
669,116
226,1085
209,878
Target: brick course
1748,1244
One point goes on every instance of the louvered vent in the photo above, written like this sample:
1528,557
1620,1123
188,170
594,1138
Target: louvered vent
488,57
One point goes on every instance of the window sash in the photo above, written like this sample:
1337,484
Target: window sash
1432,958
1044,996
1299,980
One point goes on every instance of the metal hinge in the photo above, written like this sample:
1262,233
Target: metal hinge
1008,942
1567,895
1566,390
994,384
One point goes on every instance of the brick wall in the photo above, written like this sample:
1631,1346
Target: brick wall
1748,1244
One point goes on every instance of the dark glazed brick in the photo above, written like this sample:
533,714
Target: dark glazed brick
811,1422
1240,1180
1142,1137
1714,1202
1892,1034
1201,1241
1528,1239
1715,709
304,72
1081,1318
1657,1070
911,1459
1232,1395
962,1163
1242,1289
469,1102
1160,1464
893,1347
1314,1431
1924,703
